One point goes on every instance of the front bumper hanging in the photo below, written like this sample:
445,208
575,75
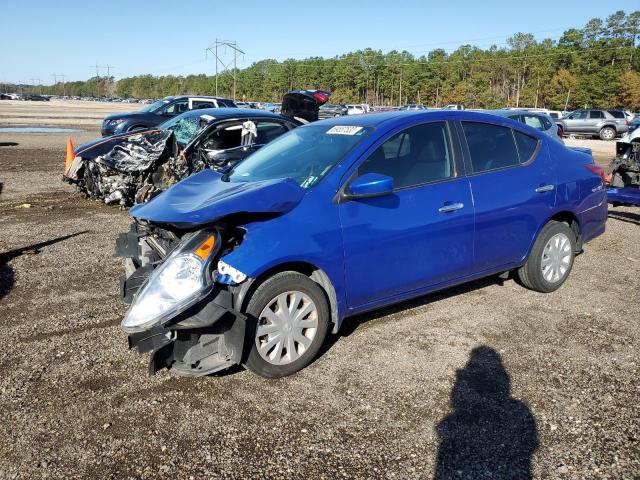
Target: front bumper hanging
202,341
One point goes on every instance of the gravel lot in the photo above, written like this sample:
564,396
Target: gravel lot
487,377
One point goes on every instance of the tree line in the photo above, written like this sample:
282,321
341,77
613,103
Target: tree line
594,66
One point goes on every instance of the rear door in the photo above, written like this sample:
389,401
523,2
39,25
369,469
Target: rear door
419,236
513,185
595,119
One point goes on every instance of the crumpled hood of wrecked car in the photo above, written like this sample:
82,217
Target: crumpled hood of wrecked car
205,197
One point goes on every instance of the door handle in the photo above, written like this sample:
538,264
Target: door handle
451,207
544,188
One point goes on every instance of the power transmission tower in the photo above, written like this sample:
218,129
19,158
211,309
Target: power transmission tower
109,67
233,45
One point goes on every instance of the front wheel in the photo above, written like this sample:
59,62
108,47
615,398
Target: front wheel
607,133
551,258
291,319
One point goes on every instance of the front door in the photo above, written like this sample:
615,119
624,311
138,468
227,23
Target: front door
576,122
419,236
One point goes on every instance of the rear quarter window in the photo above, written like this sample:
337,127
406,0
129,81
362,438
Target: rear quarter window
490,146
526,145
617,113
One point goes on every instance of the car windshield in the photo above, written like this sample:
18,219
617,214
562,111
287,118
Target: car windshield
305,154
152,107
185,127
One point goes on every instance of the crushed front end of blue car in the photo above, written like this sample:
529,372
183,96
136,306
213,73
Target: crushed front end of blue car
183,297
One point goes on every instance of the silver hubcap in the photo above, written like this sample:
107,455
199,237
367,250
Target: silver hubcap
608,134
286,328
556,258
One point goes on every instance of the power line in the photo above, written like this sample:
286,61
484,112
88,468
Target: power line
213,48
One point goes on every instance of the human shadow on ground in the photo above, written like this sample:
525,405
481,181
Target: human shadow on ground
7,276
488,434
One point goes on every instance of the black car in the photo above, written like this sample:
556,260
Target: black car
332,110
303,104
133,167
158,112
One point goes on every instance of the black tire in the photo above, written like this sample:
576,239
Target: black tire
607,133
264,295
531,274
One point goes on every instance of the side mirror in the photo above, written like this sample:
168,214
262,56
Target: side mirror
370,185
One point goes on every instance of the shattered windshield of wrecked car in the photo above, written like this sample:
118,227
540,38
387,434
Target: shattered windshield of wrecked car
185,127
152,107
305,154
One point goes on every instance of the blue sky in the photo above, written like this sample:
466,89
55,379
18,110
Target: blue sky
161,37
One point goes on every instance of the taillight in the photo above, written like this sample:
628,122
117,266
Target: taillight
559,131
597,169
320,97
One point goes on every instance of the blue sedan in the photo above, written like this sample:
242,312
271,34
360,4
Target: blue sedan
256,265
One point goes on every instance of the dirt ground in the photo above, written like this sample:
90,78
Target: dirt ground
439,387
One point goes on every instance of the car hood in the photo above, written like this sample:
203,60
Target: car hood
108,142
205,197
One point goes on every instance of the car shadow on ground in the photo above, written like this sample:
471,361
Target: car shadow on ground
9,144
488,434
351,324
628,217
7,276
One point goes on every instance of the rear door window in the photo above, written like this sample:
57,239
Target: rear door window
490,146
596,114
198,104
268,131
533,121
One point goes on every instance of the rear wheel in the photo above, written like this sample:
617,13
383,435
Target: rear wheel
551,258
607,133
291,319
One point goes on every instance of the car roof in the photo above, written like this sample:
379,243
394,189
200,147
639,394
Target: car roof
218,113
395,118
175,97
506,113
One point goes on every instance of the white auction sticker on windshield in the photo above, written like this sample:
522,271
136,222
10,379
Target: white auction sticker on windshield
343,130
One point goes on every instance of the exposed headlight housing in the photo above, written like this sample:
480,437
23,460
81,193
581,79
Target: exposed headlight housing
115,122
182,280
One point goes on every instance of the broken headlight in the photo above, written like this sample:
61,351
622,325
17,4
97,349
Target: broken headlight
182,280
117,121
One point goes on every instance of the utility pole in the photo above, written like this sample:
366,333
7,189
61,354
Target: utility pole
233,45
400,102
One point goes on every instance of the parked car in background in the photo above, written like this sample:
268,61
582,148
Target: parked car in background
36,98
634,124
336,218
606,124
158,112
412,106
332,110
453,106
303,105
353,109
539,121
